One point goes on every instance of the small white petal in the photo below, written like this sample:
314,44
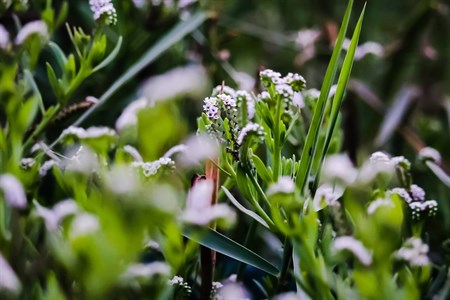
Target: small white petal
13,191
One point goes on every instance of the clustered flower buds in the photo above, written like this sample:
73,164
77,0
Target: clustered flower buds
415,252
415,198
151,168
104,9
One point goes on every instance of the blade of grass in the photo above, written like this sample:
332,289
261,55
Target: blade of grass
313,132
222,244
176,34
338,98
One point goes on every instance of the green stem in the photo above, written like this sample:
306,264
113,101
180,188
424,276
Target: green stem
277,148
41,127
287,258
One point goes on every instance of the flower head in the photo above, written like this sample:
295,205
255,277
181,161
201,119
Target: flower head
4,38
429,153
104,9
284,185
296,81
402,193
13,191
35,28
375,205
354,246
269,77
417,193
415,252
248,130
151,168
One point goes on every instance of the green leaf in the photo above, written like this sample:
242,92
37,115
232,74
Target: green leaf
246,211
340,90
59,93
313,133
110,57
263,172
176,34
224,245
59,55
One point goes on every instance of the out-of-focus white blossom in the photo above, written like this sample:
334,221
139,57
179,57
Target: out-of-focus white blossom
415,252
121,180
175,149
133,152
428,153
90,133
365,49
269,77
128,117
53,217
190,80
146,271
224,90
327,195
284,185
244,98
296,81
46,166
13,191
298,100
27,163
8,278
4,38
339,168
233,291
354,246
244,81
374,205
379,163
84,224
34,28
83,161
104,8
199,148
307,37
250,128
199,210
151,168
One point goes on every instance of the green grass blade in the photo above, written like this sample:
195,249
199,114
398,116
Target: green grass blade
176,34
246,211
344,76
313,132
224,245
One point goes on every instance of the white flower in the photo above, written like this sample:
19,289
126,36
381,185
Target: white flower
426,208
190,80
142,270
8,278
379,163
199,210
327,195
264,96
402,193
211,108
284,185
244,98
104,8
374,205
47,166
307,37
339,168
133,152
151,168
176,280
198,149
415,252
269,77
27,163
90,133
365,49
84,224
4,38
284,90
38,28
128,118
53,217
429,153
175,149
244,80
227,101
121,180
417,193
13,191
224,90
298,100
354,246
250,128
296,81
83,161
232,291
401,162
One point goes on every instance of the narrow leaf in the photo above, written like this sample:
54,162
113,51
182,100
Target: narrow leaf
246,211
313,132
262,170
226,246
59,54
110,57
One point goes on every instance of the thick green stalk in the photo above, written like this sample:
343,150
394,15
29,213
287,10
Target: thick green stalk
277,148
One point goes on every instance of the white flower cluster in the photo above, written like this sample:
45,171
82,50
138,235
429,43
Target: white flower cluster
244,98
284,185
179,282
354,246
34,28
224,90
146,270
295,81
84,224
415,252
27,163
264,96
227,101
211,108
104,8
327,195
151,168
250,128
429,153
415,199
